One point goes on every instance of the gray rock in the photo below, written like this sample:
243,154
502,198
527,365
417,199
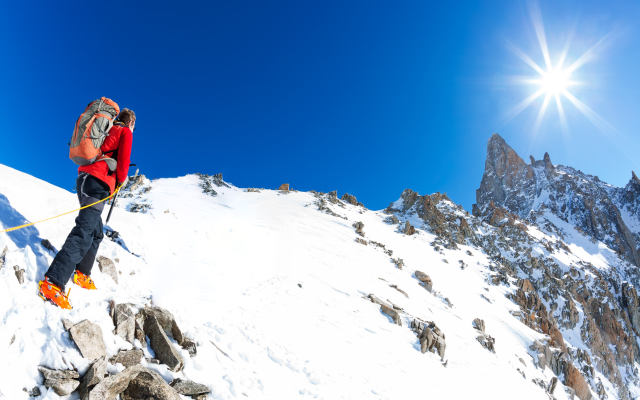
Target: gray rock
125,322
55,374
478,324
108,268
128,358
35,392
189,388
114,385
425,280
149,385
88,337
392,313
350,199
409,229
139,332
94,375
166,321
161,345
552,385
67,324
62,387
190,346
392,220
19,274
359,228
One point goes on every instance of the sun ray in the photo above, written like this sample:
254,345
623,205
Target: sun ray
524,57
523,104
563,118
536,18
588,55
543,110
593,116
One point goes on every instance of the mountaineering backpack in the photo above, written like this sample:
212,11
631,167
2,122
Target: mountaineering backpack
90,132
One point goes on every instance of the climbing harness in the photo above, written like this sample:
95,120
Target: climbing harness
15,228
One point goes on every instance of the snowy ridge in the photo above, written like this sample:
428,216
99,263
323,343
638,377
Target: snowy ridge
277,281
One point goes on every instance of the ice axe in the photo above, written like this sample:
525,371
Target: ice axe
113,203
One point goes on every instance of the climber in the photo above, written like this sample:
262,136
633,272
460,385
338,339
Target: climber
95,182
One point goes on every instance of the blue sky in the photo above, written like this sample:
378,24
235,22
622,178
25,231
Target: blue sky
365,97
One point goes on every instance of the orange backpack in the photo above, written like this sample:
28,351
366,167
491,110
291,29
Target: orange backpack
91,130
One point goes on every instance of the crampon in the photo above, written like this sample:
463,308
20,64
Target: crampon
52,293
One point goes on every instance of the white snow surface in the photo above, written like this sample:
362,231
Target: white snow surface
276,284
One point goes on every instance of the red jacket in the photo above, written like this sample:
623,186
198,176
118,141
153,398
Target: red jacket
117,145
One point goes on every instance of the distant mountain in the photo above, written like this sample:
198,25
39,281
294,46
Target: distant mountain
602,211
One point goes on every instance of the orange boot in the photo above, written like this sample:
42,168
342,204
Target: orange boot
51,293
84,281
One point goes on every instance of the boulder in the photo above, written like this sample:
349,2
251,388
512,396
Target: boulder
88,337
62,387
125,321
114,385
128,358
409,229
94,375
425,280
166,321
284,187
189,388
149,385
63,382
108,268
161,345
552,385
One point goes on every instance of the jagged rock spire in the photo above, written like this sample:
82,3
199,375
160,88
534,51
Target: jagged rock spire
507,181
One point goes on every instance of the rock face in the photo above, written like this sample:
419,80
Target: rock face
161,345
88,337
630,302
108,268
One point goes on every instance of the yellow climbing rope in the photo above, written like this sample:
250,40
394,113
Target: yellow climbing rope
15,228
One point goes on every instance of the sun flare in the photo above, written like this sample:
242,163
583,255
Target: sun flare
552,83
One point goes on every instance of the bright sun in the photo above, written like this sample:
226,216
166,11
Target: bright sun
553,81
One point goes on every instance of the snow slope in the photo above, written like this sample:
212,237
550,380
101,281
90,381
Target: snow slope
276,284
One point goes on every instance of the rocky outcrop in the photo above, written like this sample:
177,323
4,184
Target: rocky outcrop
507,181
351,200
359,228
409,229
431,337
208,182
284,187
88,337
485,340
632,305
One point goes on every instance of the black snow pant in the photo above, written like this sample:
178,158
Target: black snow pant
81,247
